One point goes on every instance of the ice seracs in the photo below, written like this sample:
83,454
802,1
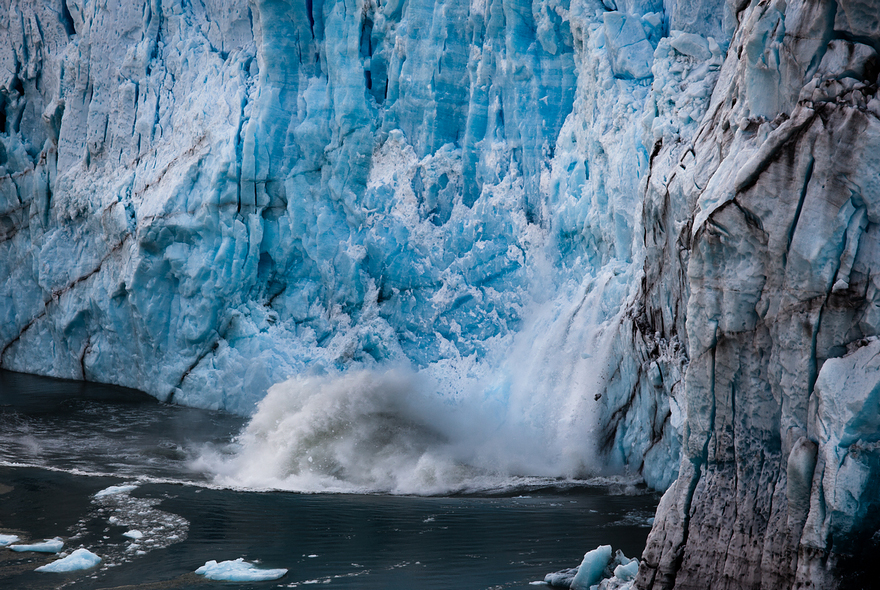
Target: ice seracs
446,176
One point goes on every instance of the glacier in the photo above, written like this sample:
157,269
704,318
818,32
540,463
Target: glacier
639,235
205,200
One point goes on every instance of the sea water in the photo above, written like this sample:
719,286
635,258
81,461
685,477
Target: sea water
115,472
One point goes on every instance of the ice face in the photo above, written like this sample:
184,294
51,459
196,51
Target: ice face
781,313
205,201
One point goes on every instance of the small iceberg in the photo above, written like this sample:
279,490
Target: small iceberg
113,490
81,559
133,534
238,571
592,567
47,546
599,569
8,540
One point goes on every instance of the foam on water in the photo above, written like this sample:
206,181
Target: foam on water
463,425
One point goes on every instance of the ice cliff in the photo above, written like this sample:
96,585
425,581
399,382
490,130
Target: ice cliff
634,229
202,199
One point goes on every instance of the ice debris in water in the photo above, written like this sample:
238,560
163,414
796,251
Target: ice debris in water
238,570
599,569
146,528
81,559
47,546
8,540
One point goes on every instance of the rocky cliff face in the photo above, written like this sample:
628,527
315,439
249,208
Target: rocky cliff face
783,177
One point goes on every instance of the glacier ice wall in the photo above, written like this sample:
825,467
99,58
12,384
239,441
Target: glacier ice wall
203,199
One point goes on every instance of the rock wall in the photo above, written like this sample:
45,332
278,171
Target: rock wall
781,437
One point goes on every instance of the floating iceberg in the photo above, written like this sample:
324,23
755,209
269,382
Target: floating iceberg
8,540
47,546
113,490
599,569
81,559
591,568
238,570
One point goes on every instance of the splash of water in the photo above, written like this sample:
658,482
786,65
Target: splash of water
463,425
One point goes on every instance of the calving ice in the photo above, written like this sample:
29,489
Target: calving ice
467,241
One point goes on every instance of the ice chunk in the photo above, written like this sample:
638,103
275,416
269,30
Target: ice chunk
142,521
8,540
81,559
691,44
631,52
627,572
47,546
591,568
561,579
113,490
238,570
600,568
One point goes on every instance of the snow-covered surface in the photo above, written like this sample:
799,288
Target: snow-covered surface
238,570
80,559
47,546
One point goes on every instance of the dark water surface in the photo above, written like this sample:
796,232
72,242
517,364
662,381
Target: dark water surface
63,442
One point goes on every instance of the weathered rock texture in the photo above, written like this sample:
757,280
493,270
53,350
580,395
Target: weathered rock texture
780,451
